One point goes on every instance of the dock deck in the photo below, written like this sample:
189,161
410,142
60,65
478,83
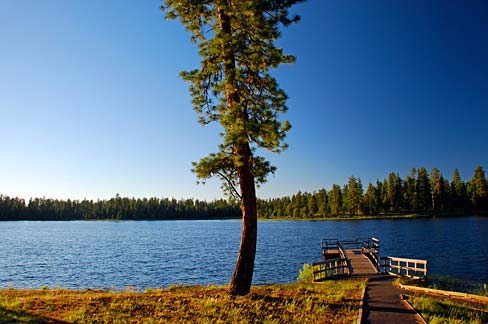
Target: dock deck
359,264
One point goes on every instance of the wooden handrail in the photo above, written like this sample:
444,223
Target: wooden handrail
408,260
329,268
404,267
370,248
327,244
342,251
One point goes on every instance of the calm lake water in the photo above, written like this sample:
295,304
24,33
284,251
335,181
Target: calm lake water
159,253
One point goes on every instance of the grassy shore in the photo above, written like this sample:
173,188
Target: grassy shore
329,302
438,309
449,283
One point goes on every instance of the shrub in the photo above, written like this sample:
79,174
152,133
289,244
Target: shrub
305,274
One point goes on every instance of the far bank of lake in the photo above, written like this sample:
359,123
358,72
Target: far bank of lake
91,254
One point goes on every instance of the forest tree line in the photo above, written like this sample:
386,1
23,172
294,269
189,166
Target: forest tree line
418,192
117,208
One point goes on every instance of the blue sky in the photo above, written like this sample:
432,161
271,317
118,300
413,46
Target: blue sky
91,103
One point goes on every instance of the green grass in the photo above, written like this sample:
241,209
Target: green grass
441,310
437,309
328,302
443,282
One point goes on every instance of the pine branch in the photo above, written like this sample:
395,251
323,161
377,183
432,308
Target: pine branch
230,184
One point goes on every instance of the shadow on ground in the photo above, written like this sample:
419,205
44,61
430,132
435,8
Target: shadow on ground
10,316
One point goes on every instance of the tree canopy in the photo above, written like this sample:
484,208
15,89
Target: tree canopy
233,85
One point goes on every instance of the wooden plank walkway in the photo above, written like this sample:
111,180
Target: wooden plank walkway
359,264
382,304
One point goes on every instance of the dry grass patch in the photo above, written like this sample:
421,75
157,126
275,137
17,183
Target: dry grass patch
329,302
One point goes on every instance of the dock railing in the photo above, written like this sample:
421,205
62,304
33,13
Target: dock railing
328,244
342,250
371,248
403,267
367,245
329,268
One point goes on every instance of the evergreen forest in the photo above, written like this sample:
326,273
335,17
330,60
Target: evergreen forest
420,192
117,208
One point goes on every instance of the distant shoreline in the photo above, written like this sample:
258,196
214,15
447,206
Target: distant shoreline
369,217
264,219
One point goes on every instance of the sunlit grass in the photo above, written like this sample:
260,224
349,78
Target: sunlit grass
328,302
443,310
443,282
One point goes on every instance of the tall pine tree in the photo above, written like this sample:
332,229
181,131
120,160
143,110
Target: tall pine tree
233,86
423,189
458,190
437,188
370,201
335,200
478,189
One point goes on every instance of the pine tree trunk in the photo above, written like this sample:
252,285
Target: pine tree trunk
242,278
243,271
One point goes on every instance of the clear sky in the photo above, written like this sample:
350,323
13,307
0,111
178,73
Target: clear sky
91,103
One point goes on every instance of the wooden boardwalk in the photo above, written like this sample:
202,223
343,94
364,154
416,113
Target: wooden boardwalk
383,305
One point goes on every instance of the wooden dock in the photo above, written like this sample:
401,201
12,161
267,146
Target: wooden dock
361,257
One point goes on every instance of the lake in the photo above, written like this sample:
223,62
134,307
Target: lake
106,255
